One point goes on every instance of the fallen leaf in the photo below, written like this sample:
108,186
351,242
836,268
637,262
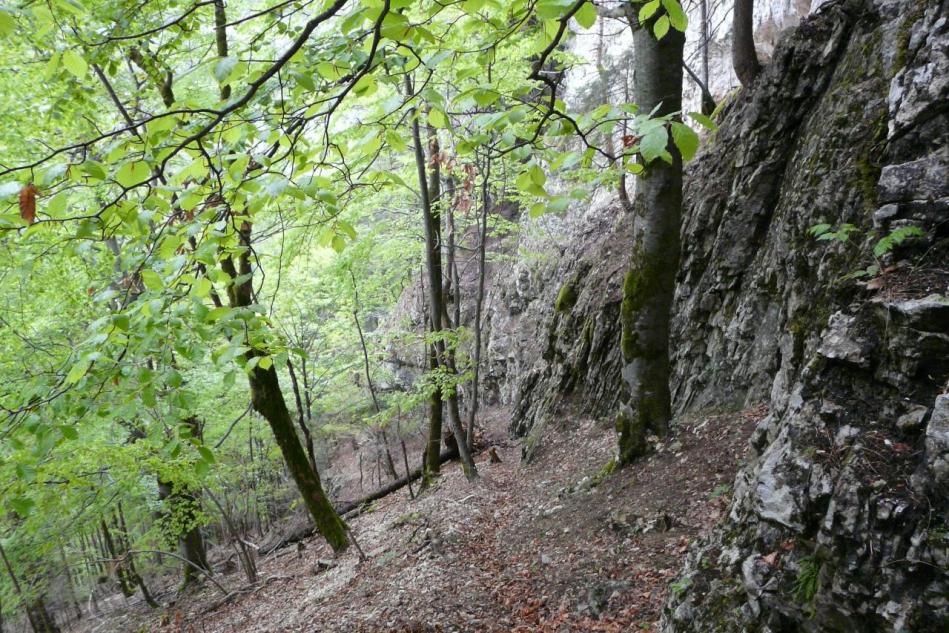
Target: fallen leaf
28,203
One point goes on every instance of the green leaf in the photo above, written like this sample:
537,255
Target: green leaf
201,288
22,506
395,141
7,23
201,469
151,279
132,173
223,68
75,63
69,432
703,120
558,204
685,139
653,144
437,118
76,372
206,454
265,362
648,10
661,27
586,16
365,87
678,18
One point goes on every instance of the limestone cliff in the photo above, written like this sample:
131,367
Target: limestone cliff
840,521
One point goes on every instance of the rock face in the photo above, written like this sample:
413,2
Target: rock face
552,318
840,522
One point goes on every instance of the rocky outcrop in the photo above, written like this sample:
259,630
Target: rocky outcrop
552,318
840,522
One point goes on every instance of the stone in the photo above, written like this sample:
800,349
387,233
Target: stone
937,440
912,421
885,213
837,342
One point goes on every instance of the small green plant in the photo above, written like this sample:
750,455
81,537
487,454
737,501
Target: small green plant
608,469
895,238
826,232
679,586
883,246
808,580
720,491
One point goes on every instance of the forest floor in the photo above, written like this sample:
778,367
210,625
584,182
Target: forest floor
538,547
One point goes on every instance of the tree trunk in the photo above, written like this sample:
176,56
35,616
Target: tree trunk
267,399
70,582
120,572
244,552
182,506
36,612
301,419
432,466
133,578
432,224
479,299
650,281
744,57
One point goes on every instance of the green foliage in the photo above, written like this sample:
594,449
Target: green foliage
808,580
159,160
896,237
883,246
681,585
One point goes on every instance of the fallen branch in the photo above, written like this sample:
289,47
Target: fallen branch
351,508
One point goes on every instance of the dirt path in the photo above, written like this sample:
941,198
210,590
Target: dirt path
534,547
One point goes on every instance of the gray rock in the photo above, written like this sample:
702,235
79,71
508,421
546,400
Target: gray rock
937,440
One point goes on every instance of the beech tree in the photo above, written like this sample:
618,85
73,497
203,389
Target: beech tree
656,211
195,201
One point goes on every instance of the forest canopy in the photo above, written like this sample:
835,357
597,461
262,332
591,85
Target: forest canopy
207,208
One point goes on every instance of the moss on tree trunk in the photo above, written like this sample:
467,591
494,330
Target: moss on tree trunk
650,283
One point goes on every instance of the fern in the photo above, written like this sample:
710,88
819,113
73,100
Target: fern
895,238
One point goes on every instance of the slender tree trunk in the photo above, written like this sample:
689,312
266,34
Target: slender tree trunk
70,582
479,299
744,57
267,399
244,552
390,463
120,571
36,612
133,578
301,419
649,285
703,39
432,223
431,465
405,453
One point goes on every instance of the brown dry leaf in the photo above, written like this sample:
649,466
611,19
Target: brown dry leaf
28,203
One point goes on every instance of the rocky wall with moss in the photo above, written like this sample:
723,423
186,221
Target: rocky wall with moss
840,520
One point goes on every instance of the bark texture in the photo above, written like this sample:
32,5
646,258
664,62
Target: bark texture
744,56
267,399
650,283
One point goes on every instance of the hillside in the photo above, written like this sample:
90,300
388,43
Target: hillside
374,374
